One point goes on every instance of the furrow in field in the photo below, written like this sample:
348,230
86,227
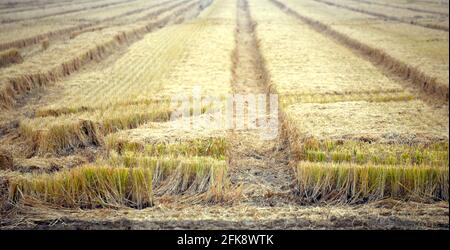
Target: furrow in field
257,163
14,17
381,13
403,139
14,83
427,69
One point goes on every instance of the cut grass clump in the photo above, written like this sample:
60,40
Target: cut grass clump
433,154
68,132
215,147
9,57
88,187
128,180
62,130
351,183
180,175
6,160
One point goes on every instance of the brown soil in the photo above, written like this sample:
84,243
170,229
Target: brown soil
6,160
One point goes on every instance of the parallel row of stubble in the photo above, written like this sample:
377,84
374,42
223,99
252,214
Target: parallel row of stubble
65,133
193,168
346,182
417,54
431,7
128,183
28,33
123,97
348,145
49,67
137,172
432,21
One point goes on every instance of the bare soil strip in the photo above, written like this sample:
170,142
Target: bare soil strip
261,166
376,14
426,83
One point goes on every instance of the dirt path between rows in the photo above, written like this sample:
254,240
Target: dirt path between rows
260,165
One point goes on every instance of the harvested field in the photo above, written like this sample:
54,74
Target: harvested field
224,114
417,54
